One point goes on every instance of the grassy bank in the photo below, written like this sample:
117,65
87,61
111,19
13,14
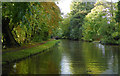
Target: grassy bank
21,54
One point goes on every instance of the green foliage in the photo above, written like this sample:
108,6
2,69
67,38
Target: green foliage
75,25
99,25
118,13
81,7
79,10
31,21
92,23
65,27
14,10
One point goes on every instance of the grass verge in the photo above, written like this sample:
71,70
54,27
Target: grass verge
21,54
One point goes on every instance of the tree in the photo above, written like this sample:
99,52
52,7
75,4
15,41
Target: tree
75,25
79,10
118,13
29,21
65,26
100,24
11,12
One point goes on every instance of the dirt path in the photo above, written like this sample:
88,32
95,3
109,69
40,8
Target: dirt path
25,47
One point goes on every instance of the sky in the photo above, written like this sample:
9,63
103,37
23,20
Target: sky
64,5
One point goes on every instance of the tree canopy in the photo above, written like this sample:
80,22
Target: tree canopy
100,24
29,21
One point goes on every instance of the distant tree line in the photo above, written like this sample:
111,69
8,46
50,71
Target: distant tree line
91,21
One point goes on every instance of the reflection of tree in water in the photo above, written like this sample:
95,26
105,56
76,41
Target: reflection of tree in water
101,59
72,50
94,60
112,58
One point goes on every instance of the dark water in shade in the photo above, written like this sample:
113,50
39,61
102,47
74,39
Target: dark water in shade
70,57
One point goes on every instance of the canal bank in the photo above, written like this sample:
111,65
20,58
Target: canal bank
94,41
17,55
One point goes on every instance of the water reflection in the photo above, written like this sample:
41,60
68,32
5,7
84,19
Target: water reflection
112,60
70,57
65,66
14,66
103,48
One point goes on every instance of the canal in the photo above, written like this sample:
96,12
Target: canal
70,57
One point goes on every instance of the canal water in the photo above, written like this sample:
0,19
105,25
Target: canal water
70,57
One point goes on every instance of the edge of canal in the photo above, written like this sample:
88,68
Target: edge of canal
10,57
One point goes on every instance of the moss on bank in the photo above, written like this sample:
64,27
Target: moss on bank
21,54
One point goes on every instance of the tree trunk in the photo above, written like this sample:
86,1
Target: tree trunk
9,40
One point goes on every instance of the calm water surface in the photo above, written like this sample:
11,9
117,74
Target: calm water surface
70,57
